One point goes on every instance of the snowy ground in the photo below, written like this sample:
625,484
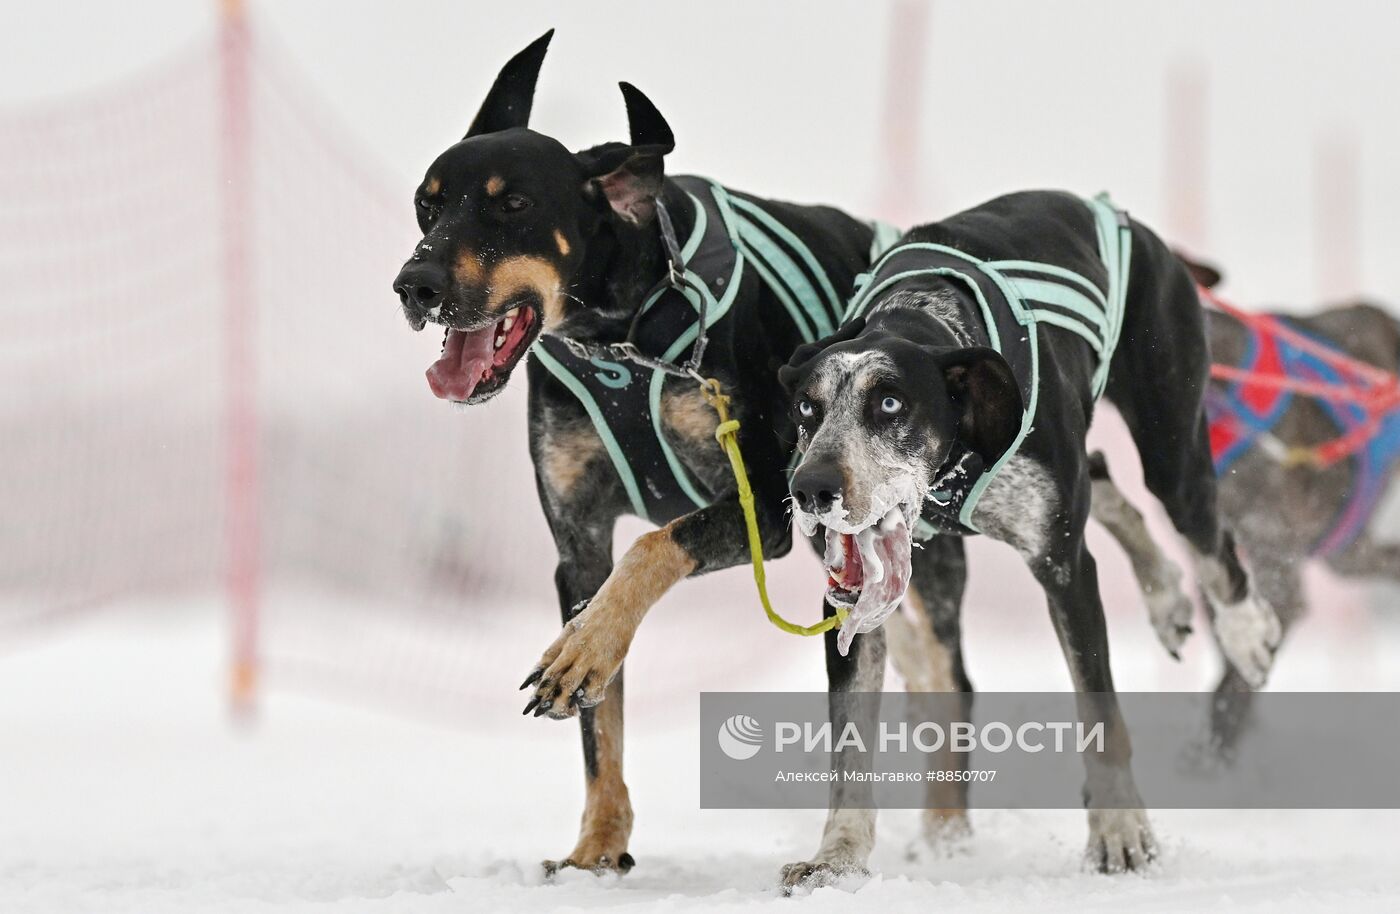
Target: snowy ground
124,788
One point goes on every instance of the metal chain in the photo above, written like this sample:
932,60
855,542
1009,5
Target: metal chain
677,280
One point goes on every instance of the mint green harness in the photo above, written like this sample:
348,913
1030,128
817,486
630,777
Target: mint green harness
620,385
1015,299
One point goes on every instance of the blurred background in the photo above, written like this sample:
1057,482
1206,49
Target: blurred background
225,483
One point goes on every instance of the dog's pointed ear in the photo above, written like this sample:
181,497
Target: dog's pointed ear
512,95
645,124
791,374
985,394
630,176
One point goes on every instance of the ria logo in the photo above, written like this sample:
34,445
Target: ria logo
740,737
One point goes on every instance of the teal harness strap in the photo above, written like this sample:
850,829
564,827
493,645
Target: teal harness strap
1115,249
784,234
621,390
619,461
885,237
716,311
780,275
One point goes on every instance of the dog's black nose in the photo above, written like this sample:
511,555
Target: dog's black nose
817,486
421,285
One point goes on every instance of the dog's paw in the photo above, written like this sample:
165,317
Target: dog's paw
599,865
1170,610
1249,632
574,673
1120,840
814,874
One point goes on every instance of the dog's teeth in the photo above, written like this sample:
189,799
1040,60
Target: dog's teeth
508,322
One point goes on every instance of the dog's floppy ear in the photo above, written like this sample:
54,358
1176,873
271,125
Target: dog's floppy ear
985,393
791,374
1205,275
512,95
631,175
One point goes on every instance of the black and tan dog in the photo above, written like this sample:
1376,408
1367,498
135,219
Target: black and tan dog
1283,510
528,247
956,399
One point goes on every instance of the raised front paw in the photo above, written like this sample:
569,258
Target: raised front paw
574,673
1249,632
1120,840
815,874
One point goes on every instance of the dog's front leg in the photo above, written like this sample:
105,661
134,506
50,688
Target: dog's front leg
854,683
585,561
1120,837
574,672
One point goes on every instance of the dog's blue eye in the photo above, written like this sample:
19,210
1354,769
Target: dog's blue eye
806,409
891,405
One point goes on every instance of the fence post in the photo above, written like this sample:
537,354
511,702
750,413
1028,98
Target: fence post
241,490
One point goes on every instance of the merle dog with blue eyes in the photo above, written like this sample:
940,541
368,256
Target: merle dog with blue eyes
956,399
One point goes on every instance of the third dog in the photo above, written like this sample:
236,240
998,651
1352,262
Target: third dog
1283,509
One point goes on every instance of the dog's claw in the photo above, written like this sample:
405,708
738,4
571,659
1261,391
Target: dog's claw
1120,841
812,875
531,706
532,678
544,706
603,866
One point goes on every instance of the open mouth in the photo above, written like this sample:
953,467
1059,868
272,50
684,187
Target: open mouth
868,573
845,570
475,364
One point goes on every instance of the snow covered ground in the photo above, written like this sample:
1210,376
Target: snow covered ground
123,787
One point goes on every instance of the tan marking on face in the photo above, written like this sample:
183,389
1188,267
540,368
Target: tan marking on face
432,186
467,269
566,456
494,185
514,275
607,811
561,243
687,413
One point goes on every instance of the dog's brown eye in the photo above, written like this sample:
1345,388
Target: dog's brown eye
514,203
429,205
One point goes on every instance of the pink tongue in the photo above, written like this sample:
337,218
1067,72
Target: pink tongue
465,358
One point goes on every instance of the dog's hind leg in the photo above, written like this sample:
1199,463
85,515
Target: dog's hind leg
1280,581
1168,606
854,682
925,646
1366,558
1157,381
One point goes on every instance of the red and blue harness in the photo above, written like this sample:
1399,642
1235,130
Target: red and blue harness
1282,361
